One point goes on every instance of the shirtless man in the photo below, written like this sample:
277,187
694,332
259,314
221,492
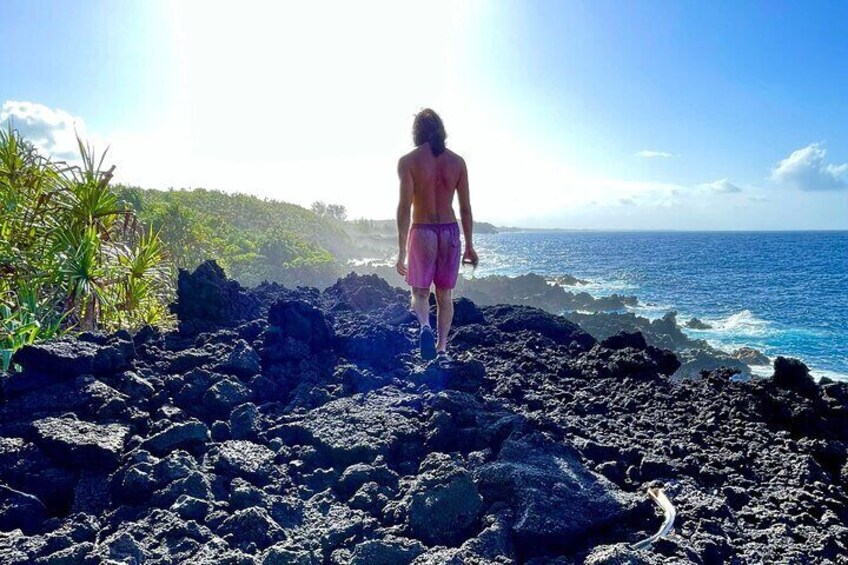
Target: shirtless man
429,176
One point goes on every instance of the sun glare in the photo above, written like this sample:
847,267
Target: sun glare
265,87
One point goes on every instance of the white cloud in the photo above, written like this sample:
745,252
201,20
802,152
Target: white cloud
651,154
51,130
721,186
622,194
805,169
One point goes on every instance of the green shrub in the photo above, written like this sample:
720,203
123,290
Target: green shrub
73,255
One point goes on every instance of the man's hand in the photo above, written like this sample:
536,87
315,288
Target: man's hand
401,265
470,257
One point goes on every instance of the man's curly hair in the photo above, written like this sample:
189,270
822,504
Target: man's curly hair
428,126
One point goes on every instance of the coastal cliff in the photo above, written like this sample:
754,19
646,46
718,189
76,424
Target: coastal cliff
299,426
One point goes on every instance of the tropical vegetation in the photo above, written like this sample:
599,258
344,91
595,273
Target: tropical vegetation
253,239
73,255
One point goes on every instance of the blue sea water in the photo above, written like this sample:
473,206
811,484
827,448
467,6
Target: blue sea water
784,293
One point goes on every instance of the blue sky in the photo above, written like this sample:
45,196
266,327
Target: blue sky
596,114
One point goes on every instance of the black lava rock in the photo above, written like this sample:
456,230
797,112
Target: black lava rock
524,318
206,300
179,435
363,293
466,312
80,444
52,362
20,510
333,442
296,330
792,374
558,500
242,361
443,503
373,343
622,340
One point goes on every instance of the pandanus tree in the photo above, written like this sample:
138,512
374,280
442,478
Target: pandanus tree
73,256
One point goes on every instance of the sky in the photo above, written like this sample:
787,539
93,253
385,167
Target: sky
589,114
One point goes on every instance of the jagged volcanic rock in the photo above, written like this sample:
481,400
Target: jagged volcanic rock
80,444
751,356
357,428
697,324
557,500
443,503
524,318
536,291
55,361
296,331
293,426
364,293
178,435
792,374
208,300
19,510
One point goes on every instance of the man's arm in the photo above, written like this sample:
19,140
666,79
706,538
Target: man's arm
403,213
469,256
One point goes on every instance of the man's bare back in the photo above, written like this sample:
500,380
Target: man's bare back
435,179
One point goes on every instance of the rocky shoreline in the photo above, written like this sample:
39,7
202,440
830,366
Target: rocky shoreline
602,317
299,426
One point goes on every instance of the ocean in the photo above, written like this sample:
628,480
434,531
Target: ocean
784,293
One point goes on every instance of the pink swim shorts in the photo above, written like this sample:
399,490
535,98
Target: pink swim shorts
434,253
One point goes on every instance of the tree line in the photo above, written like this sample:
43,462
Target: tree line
79,253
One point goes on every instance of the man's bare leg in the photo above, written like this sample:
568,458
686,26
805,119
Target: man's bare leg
444,316
421,305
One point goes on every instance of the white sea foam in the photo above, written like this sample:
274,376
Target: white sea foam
834,375
768,370
739,324
602,288
762,370
744,321
651,310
